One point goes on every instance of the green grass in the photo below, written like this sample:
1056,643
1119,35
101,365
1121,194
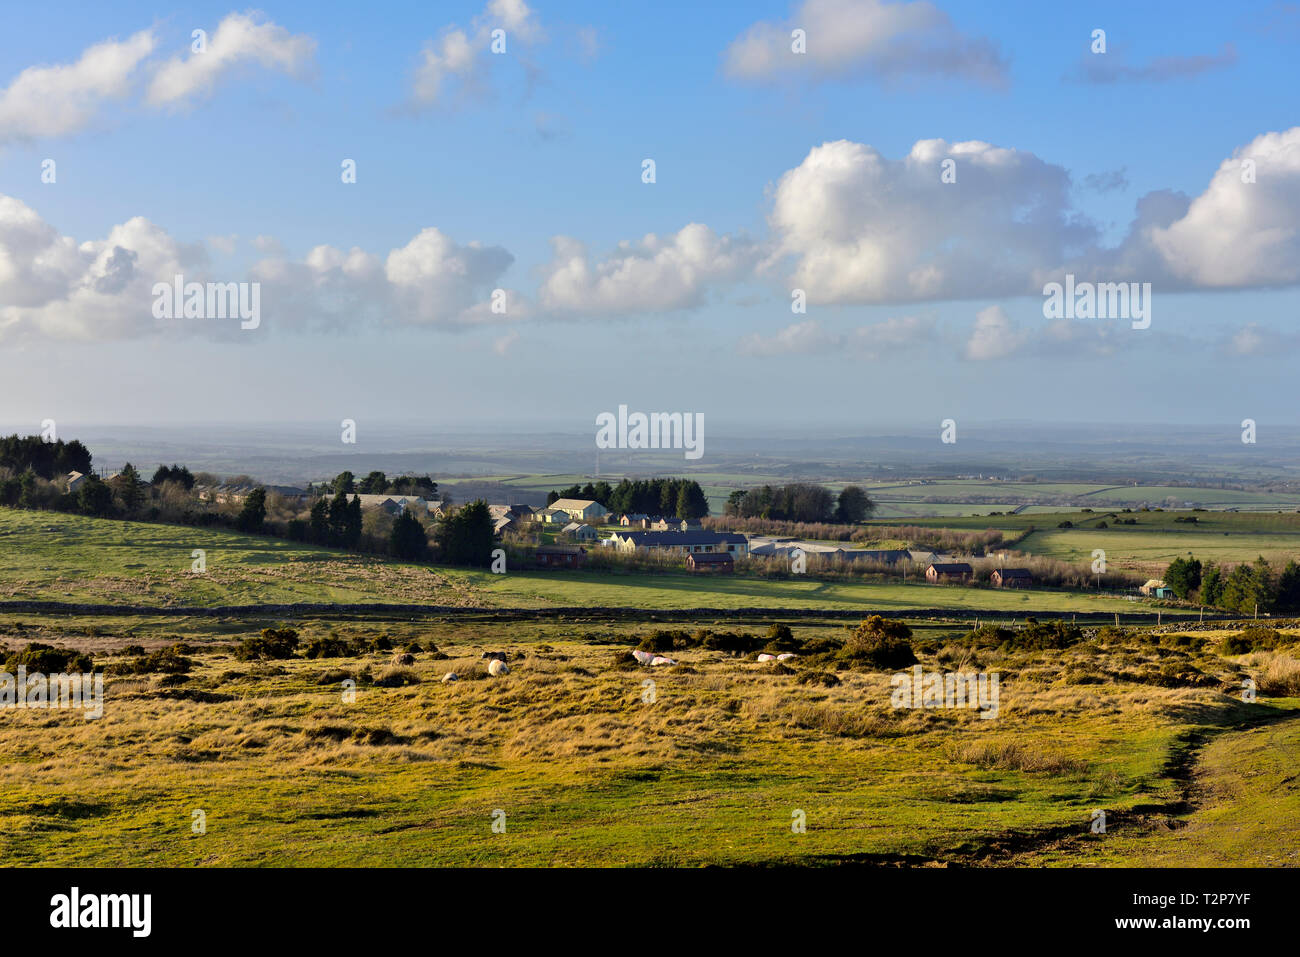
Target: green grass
682,590
50,556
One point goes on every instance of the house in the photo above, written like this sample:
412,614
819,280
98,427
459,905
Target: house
683,542
581,531
1152,586
552,515
392,504
925,557
711,562
948,571
75,480
1012,578
634,520
290,492
580,509
560,556
503,524
885,556
224,494
518,513
676,525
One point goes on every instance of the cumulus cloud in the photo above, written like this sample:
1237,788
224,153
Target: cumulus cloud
453,63
57,100
52,286
239,38
870,341
849,225
1241,233
885,40
656,274
1112,66
863,228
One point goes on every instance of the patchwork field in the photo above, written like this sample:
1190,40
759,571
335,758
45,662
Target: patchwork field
583,766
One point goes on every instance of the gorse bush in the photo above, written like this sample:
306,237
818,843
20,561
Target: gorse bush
273,643
879,642
48,660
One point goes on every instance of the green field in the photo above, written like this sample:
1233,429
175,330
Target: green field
68,558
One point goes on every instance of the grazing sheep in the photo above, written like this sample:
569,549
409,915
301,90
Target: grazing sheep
643,657
405,658
786,656
497,668
494,656
451,676
767,657
661,660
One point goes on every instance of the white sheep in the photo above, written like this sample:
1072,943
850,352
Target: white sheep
497,668
766,657
451,676
661,660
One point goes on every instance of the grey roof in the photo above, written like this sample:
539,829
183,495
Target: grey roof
1015,573
684,538
951,568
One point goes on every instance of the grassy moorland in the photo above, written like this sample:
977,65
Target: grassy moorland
588,768
52,556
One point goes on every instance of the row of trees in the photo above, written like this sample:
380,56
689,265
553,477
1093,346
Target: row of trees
377,483
23,453
1245,589
669,497
800,502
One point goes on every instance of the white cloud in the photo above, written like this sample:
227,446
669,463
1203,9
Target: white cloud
56,100
50,285
656,274
454,61
862,228
1242,234
239,38
994,335
865,37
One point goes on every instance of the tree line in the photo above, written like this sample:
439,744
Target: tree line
1246,589
666,497
801,502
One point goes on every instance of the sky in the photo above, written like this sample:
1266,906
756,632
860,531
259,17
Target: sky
915,177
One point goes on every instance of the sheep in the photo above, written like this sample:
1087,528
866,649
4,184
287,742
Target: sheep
662,660
494,656
767,657
450,676
786,656
405,658
643,657
496,667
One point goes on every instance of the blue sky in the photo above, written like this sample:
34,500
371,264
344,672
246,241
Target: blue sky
547,141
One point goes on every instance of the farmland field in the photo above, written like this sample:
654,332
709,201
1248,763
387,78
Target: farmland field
55,557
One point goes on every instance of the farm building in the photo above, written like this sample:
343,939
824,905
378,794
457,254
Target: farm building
504,524
635,520
580,509
948,572
519,513
551,516
581,531
1012,578
711,562
1156,588
886,556
75,480
560,556
685,542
